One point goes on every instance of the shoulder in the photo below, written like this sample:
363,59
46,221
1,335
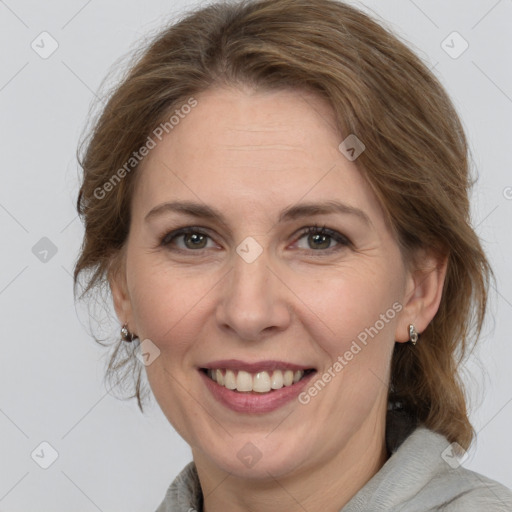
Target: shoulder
465,490
184,493
448,484
423,474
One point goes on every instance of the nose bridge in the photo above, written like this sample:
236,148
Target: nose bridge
252,301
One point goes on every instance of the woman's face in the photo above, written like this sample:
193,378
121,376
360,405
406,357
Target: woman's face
247,287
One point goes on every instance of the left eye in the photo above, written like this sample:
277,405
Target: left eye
321,238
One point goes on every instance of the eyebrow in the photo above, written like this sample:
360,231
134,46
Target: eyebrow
291,213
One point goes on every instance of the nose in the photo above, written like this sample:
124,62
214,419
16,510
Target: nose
253,302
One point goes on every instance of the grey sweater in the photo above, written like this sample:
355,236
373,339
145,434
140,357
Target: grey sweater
420,476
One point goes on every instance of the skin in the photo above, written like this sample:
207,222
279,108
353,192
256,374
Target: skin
250,154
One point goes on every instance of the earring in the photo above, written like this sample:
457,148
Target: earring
126,335
413,334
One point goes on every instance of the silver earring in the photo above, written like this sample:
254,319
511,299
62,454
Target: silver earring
413,334
126,335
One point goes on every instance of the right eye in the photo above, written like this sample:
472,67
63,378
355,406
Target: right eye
186,239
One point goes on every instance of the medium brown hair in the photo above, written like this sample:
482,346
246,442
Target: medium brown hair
416,159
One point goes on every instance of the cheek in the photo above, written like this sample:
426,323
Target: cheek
166,302
350,305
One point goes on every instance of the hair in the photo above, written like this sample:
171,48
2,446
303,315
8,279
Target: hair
416,160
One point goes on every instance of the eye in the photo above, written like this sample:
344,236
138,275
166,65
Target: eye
322,239
188,238
318,239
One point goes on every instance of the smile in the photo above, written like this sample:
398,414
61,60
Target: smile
254,387
258,382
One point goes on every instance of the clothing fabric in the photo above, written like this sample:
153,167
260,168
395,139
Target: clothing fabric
421,475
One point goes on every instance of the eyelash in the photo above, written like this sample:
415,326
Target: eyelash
341,240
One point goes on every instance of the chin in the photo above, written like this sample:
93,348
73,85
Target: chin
254,457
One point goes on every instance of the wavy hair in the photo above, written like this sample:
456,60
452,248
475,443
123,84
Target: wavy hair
416,160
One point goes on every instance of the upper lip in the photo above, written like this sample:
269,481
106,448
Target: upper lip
266,365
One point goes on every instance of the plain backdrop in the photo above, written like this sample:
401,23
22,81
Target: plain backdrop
110,456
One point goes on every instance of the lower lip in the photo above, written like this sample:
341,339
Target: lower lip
255,402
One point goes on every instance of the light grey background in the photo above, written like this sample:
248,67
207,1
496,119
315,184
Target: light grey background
110,456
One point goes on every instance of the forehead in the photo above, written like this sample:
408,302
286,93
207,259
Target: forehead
260,147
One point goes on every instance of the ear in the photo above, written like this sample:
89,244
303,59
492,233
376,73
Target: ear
119,289
424,289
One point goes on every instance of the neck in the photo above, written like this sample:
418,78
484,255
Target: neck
326,487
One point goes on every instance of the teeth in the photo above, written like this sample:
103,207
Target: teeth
261,382
243,381
277,380
230,380
288,378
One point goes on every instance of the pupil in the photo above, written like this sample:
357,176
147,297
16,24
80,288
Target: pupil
195,239
323,239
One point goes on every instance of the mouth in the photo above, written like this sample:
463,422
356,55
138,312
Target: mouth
261,382
255,387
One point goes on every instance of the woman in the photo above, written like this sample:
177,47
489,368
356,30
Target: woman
277,197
